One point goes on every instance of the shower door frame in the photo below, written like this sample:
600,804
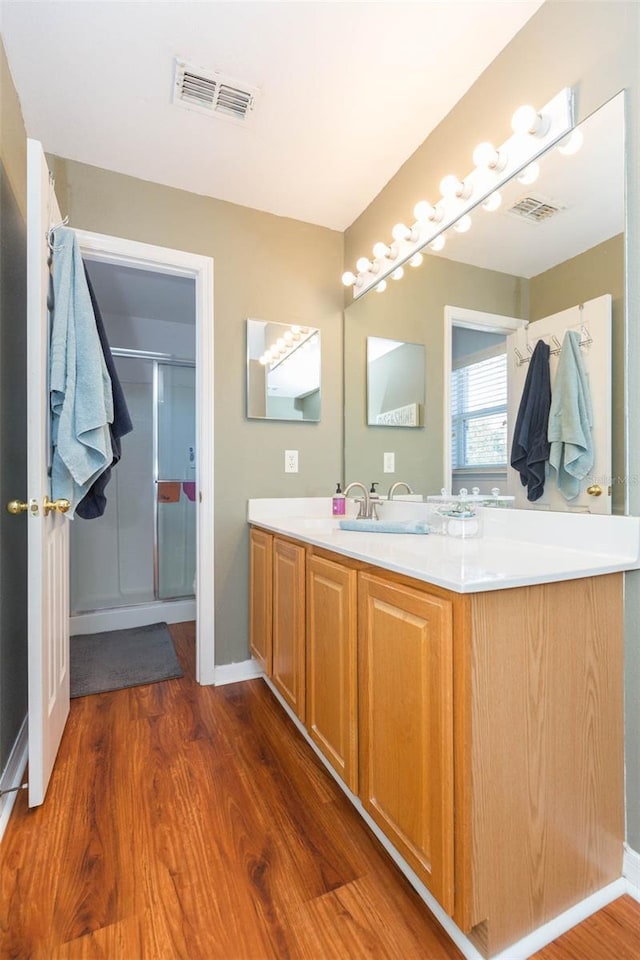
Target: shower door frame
171,361
180,263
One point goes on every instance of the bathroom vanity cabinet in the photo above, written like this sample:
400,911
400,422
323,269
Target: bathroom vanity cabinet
481,732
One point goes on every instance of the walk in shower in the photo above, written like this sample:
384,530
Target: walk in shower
137,563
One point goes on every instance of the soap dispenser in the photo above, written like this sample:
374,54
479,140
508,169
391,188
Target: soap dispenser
338,503
374,501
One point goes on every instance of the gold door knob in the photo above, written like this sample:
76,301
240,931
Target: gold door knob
594,490
17,506
60,505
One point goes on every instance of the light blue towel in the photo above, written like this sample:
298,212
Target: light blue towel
386,526
571,419
79,382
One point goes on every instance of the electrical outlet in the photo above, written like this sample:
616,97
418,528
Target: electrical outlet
389,463
291,461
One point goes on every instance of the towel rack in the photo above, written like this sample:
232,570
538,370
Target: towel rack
585,340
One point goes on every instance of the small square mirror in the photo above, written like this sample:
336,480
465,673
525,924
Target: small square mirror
283,371
395,383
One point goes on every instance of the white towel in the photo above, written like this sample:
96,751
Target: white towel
571,419
80,386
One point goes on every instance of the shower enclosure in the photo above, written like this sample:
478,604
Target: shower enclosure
137,563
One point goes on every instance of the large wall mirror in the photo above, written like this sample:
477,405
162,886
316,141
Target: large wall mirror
283,371
552,244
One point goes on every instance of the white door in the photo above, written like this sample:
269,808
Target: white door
48,539
593,321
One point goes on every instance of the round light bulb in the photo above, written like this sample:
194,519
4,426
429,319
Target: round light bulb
397,274
530,174
486,155
280,343
348,278
400,232
263,360
381,287
295,328
527,120
363,265
438,243
492,202
288,338
416,260
381,250
425,211
572,143
463,224
451,187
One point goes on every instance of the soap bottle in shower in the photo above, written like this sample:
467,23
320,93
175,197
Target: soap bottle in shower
338,502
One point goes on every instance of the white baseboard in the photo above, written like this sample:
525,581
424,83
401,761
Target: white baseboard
234,672
137,615
13,773
631,871
549,932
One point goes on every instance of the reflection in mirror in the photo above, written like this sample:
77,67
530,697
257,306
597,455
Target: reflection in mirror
283,371
395,383
525,263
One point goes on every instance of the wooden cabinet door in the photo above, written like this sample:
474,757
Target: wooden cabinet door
289,623
406,725
260,597
332,702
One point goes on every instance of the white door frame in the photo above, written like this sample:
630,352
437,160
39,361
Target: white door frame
179,263
472,320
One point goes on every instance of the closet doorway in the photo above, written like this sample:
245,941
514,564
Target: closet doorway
158,537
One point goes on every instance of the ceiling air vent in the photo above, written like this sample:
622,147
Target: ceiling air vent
534,208
212,93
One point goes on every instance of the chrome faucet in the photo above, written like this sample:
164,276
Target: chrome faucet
363,511
394,487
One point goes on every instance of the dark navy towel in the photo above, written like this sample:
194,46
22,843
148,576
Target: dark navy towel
94,502
530,448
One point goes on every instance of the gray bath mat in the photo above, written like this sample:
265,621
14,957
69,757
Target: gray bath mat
122,658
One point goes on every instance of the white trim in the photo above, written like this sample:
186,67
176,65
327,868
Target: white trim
520,950
471,320
234,672
549,932
13,774
145,256
631,872
138,615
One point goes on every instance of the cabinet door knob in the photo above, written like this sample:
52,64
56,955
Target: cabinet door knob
594,490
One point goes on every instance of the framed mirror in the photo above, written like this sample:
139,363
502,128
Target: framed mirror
395,383
524,264
283,371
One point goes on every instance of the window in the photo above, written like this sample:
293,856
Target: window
479,413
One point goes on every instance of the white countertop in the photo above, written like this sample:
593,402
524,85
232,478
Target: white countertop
517,548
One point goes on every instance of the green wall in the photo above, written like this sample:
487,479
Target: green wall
266,267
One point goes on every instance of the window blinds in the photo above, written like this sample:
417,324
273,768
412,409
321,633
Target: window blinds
479,413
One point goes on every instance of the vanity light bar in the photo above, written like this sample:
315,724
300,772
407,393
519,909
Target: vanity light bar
534,132
294,339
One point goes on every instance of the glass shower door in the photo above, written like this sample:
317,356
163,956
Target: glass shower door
175,554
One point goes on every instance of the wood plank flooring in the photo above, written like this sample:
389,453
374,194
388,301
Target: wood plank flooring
195,823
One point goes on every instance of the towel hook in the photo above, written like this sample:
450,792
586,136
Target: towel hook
51,231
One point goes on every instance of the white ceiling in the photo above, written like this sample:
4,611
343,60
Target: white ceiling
348,90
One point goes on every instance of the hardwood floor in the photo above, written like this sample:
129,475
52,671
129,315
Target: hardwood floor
195,823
